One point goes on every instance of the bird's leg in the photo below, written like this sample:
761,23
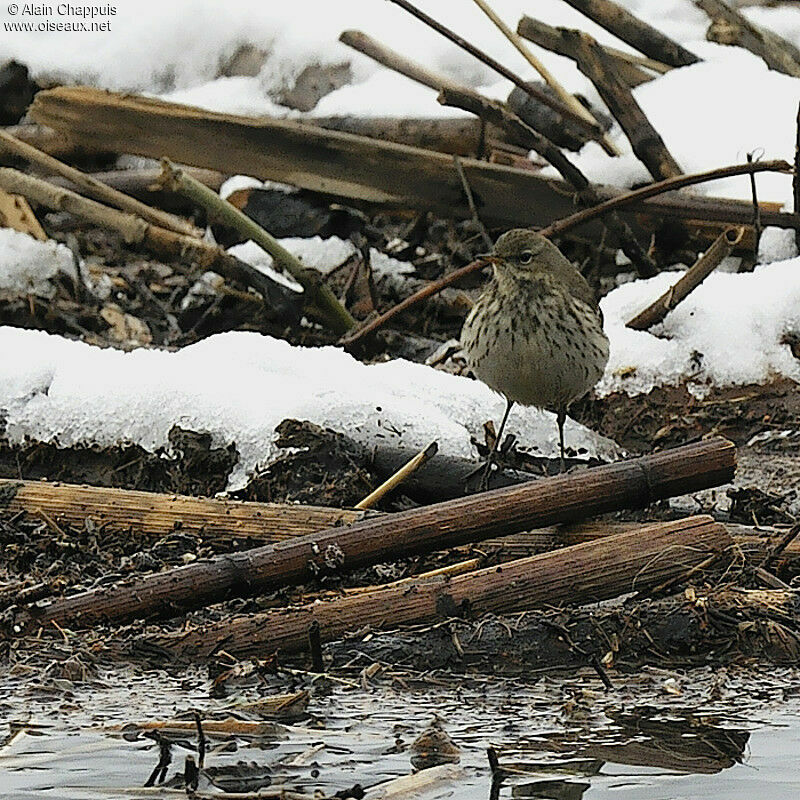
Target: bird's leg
561,416
498,439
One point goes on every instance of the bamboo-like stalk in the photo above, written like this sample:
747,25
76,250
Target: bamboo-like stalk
96,189
589,572
633,483
547,76
593,129
320,296
419,460
689,281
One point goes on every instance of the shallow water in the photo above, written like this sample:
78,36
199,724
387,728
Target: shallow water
699,734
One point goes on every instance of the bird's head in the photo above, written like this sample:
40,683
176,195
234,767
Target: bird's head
524,251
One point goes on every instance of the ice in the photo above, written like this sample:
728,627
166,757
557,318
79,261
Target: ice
776,244
28,266
238,386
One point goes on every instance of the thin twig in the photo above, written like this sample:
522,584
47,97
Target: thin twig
487,241
395,480
593,130
796,177
756,209
660,187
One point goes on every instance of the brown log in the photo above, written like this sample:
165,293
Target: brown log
160,514
729,26
634,32
625,484
332,163
583,573
550,38
689,281
647,144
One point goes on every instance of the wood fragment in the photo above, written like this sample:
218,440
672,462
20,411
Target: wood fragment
646,142
395,480
332,163
318,295
96,189
17,214
689,281
633,483
161,514
165,244
590,572
629,66
592,128
639,35
729,26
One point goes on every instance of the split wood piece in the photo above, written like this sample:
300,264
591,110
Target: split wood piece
332,163
502,117
566,98
398,477
633,31
661,187
317,295
625,484
729,26
161,514
134,230
583,573
94,188
689,281
461,136
593,129
17,214
647,144
550,38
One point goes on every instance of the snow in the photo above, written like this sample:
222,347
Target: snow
238,387
727,332
28,266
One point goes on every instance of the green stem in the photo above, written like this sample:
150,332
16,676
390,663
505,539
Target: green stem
319,297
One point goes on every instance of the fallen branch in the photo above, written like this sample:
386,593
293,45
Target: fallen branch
691,279
592,128
502,117
646,142
729,26
633,483
660,187
639,35
136,231
598,570
96,189
162,514
628,66
318,296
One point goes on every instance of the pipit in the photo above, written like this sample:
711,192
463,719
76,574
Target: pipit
535,335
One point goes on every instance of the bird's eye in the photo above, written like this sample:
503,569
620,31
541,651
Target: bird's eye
525,257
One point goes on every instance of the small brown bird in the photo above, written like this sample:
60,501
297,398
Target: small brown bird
535,335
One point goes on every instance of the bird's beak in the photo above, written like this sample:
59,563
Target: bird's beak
488,258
